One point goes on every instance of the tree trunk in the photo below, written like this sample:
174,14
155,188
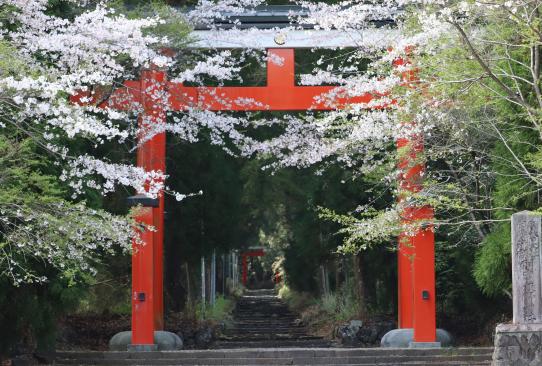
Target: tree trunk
323,280
359,287
203,291
337,274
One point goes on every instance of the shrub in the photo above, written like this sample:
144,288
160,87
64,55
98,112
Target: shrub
220,311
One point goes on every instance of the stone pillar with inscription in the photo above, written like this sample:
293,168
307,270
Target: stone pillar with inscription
520,343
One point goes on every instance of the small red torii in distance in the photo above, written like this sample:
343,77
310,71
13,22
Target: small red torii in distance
417,300
244,270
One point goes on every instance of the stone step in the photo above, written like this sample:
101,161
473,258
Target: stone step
262,309
278,306
289,362
245,357
262,306
266,327
317,343
262,315
268,337
282,352
270,301
270,361
268,333
264,320
255,312
266,324
255,333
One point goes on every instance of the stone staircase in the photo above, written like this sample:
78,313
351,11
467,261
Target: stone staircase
262,320
287,356
265,332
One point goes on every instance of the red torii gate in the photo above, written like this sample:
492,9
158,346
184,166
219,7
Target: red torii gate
416,269
244,264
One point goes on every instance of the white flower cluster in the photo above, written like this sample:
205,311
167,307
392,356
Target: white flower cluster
207,11
65,236
221,66
151,182
67,56
348,15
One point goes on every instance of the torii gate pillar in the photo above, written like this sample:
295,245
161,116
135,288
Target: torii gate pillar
147,258
416,253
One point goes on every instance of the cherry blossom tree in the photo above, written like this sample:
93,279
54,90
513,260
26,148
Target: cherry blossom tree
51,58
100,48
45,59
475,100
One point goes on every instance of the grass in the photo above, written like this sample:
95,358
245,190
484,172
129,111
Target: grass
322,315
219,312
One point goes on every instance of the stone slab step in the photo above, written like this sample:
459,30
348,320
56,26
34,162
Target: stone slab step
260,316
262,330
255,336
272,344
279,361
269,361
286,356
267,326
241,332
262,303
265,335
265,331
265,320
270,341
281,352
292,364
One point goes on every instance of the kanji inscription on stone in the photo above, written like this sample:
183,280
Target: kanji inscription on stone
527,267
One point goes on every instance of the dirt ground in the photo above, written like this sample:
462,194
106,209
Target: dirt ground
93,331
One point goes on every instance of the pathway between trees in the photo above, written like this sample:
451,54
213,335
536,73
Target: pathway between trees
262,320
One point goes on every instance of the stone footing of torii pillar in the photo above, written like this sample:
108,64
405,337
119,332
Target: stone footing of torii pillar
520,343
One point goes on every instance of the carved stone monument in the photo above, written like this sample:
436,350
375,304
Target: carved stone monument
520,343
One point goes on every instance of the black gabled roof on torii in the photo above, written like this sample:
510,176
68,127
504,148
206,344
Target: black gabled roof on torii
262,17
267,17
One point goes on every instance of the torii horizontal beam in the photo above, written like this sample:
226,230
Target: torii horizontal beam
292,38
280,93
254,253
